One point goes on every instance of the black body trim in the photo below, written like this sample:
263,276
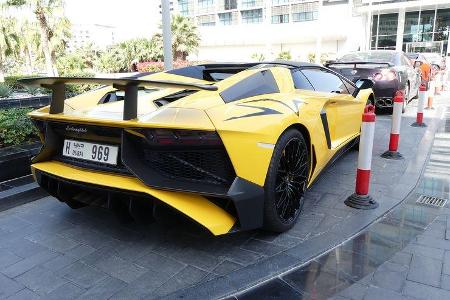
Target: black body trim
247,197
263,111
323,117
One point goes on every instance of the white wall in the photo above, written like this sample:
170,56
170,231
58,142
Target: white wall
340,32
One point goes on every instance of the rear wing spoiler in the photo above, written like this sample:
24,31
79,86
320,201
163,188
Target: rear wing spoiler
128,84
354,63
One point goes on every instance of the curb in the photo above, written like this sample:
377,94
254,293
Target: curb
20,195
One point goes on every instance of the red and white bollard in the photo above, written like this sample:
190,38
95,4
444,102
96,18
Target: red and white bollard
420,105
361,198
431,85
393,153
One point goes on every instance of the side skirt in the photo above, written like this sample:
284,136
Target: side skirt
335,157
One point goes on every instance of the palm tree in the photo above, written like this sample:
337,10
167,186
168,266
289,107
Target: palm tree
9,42
29,44
184,37
47,13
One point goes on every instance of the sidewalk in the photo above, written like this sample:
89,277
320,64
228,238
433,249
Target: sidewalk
422,269
48,250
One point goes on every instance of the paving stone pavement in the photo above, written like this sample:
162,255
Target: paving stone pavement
421,270
48,250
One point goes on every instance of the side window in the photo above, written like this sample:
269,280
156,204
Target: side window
351,89
300,81
324,81
259,83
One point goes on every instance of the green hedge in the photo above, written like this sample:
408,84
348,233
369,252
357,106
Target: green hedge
16,127
5,90
12,81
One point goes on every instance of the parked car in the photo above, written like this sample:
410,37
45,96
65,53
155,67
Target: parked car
390,70
436,60
232,146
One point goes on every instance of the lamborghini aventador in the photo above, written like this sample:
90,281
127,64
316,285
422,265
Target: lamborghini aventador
231,146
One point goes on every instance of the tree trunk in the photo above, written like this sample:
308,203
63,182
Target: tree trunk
2,76
55,70
45,38
29,58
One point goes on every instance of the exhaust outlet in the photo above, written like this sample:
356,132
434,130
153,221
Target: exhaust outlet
380,102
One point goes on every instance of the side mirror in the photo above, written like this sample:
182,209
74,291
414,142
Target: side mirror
364,83
417,64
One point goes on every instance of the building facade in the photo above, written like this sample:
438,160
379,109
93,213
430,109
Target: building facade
239,30
410,26
99,35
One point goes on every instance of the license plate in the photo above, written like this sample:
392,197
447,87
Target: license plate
91,151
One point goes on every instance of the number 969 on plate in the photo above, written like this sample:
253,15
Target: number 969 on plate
91,151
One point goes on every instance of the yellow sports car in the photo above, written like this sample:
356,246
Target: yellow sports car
231,146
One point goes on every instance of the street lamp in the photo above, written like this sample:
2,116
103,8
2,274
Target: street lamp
167,34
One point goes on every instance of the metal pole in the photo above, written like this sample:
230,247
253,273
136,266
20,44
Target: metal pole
319,35
167,34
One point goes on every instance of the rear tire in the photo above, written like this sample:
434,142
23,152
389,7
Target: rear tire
286,182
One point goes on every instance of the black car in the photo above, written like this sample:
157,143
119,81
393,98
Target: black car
391,71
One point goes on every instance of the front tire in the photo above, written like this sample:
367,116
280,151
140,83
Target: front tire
286,182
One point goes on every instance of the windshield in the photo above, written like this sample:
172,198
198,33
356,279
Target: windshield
378,57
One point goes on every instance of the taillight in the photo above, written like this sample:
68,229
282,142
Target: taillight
385,74
177,137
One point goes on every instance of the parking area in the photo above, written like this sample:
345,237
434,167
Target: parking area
49,250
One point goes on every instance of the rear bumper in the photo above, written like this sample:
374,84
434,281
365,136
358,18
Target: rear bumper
247,198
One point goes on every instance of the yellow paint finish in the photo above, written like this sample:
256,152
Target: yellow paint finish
198,208
180,118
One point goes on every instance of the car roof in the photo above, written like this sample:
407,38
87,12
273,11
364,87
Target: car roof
281,63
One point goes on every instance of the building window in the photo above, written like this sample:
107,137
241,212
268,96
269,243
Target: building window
305,11
278,19
252,16
183,7
206,20
280,14
225,18
230,4
384,31
205,3
304,16
279,2
251,3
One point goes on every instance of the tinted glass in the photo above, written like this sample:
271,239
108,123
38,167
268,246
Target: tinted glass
300,81
371,56
256,84
351,89
324,81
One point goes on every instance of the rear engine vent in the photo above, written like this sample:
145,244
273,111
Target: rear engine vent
187,160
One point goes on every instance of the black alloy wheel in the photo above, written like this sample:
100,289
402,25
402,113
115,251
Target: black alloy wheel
286,182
